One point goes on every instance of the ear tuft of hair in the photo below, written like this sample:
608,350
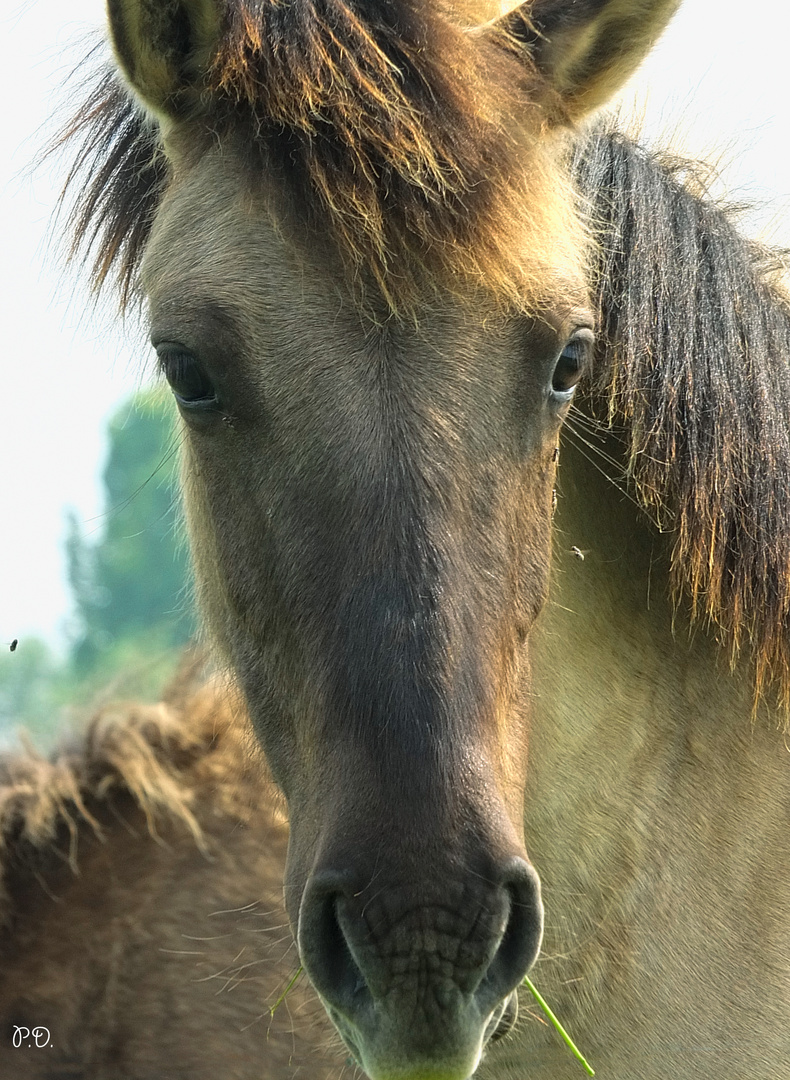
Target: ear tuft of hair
416,148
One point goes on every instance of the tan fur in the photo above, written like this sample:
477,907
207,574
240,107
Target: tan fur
589,62
657,816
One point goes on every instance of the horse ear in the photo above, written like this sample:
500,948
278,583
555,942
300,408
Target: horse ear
586,49
164,46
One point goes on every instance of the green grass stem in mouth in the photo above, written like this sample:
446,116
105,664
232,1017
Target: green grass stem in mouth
527,982
563,1033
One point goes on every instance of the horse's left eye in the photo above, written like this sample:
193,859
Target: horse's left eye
570,366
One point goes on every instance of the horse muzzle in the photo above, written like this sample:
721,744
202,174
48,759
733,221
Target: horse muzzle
418,978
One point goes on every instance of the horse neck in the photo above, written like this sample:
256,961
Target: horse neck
648,774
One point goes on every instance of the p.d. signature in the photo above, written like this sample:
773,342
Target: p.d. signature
24,1036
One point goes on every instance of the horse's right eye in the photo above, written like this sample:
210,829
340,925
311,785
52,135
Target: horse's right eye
191,386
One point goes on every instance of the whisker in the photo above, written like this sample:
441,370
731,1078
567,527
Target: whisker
576,438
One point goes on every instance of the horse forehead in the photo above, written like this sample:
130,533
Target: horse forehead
220,215
209,222
217,245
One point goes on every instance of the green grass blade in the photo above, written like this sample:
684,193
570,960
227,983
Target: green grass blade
563,1033
284,994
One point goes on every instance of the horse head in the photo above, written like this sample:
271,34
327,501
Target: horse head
367,283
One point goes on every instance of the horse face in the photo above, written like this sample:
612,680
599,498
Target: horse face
369,506
369,496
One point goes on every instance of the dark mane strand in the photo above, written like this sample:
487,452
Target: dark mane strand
115,183
381,111
695,331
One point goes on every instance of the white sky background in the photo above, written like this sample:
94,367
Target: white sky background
719,76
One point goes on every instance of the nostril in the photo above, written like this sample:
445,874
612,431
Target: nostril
324,948
519,946
336,949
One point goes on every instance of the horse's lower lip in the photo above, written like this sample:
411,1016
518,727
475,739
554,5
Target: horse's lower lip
356,1056
499,1028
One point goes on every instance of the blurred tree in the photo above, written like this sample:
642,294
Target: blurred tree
25,687
130,589
131,584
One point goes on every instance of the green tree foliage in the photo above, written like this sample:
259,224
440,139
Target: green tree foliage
130,584
26,683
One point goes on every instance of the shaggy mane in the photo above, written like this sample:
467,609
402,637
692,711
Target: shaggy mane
388,129
415,146
162,755
693,366
116,181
